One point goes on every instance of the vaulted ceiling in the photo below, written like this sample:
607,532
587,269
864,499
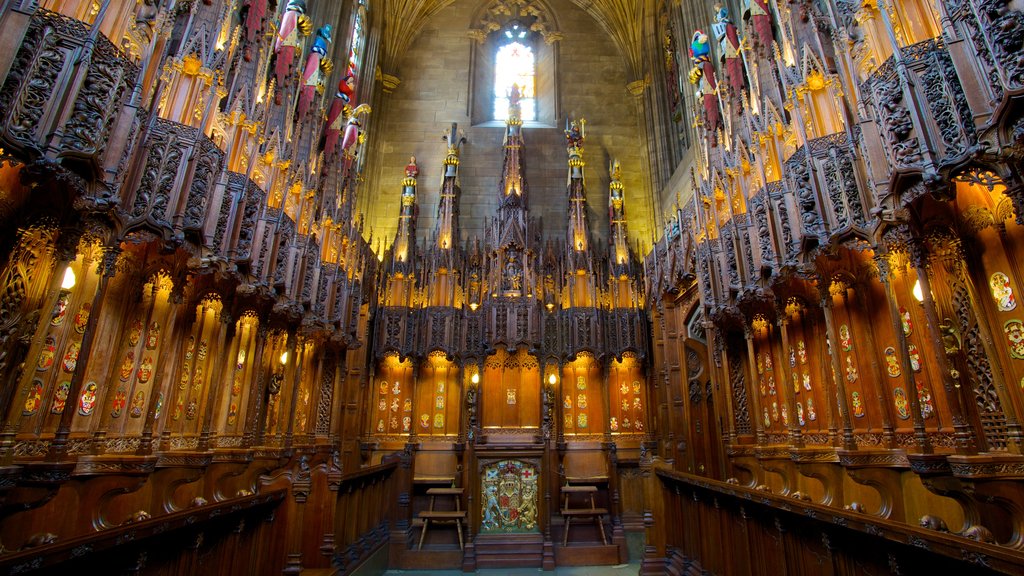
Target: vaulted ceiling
622,20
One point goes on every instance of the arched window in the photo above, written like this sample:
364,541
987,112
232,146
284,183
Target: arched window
516,43
514,64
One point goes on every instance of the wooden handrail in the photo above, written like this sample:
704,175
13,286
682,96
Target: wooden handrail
992,556
158,526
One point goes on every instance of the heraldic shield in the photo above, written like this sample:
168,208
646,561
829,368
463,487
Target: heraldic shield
509,497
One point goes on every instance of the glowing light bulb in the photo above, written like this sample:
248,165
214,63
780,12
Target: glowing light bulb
69,279
918,293
552,379
475,379
284,357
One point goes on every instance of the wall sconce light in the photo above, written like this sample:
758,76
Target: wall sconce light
552,379
917,292
473,306
550,306
475,378
284,358
69,279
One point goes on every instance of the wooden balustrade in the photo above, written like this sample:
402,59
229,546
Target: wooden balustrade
228,537
365,498
707,526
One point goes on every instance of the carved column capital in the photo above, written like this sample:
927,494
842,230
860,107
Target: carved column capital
108,264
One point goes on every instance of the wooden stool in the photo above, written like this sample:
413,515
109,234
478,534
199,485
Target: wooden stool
592,512
443,516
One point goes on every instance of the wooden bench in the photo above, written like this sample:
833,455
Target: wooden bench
592,512
443,516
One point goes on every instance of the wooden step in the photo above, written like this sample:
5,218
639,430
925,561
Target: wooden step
584,511
443,514
509,550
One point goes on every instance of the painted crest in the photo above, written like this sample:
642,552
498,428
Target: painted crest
153,336
34,398
908,326
902,405
801,352
509,500
71,357
858,404
179,408
851,370
82,318
1002,293
135,332
145,370
915,357
845,342
892,363
581,401
1014,331
924,398
138,404
60,309
439,420
127,366
120,400
811,414
87,402
60,397
47,354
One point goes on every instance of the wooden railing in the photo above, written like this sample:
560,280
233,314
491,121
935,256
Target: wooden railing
229,537
710,527
364,504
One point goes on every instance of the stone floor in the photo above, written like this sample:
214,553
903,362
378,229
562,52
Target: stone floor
620,570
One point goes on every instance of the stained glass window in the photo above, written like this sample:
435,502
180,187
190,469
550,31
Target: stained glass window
514,64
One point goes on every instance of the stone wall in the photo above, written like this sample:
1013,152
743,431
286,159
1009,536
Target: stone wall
434,91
